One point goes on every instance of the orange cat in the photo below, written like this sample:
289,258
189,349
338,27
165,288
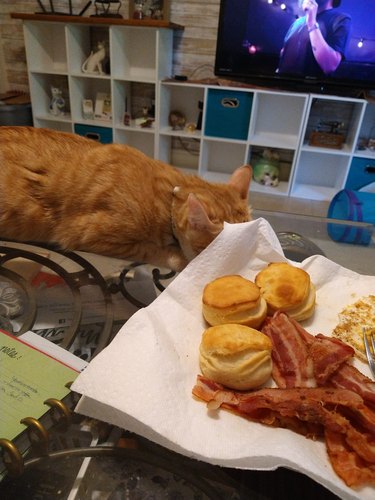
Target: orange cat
110,199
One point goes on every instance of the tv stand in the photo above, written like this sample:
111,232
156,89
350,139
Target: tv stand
293,86
339,91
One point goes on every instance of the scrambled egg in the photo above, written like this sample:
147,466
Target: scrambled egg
352,319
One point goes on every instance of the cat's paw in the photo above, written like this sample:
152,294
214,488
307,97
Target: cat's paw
176,262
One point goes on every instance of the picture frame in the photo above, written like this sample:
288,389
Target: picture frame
103,106
157,10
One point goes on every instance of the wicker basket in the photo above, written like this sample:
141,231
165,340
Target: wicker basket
326,140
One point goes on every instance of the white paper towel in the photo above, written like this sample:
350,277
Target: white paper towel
143,380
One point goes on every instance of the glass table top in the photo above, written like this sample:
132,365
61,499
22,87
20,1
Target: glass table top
80,301
350,244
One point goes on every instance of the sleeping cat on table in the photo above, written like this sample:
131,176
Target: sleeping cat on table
110,199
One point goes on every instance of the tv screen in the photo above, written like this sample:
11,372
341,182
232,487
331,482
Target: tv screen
298,44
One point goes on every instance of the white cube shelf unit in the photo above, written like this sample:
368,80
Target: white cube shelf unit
280,121
138,56
237,123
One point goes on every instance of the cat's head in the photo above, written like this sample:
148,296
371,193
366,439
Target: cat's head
199,211
56,92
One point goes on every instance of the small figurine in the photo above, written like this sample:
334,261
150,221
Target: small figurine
266,169
331,127
57,104
177,120
139,9
93,63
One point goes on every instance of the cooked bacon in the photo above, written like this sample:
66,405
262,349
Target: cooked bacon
348,377
299,358
351,451
364,420
292,366
352,469
317,405
328,355
320,360
313,405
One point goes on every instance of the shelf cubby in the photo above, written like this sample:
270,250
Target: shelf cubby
134,54
82,40
46,47
40,88
182,151
132,98
144,140
322,182
87,88
285,166
220,158
181,98
326,111
277,119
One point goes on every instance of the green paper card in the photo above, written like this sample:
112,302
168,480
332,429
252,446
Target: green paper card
27,378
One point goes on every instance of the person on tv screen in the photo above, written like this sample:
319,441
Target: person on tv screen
315,43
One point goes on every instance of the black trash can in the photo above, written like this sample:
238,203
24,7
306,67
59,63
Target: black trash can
15,113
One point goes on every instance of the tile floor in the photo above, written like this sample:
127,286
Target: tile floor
287,204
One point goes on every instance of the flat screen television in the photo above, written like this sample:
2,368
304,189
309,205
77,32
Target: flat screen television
252,34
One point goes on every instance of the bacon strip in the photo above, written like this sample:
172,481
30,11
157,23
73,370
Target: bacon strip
315,409
328,355
348,377
309,403
299,358
351,452
325,359
346,463
292,366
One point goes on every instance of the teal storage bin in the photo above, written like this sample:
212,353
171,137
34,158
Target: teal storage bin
100,134
228,113
361,173
353,206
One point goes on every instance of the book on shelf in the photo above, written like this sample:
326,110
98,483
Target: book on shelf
35,377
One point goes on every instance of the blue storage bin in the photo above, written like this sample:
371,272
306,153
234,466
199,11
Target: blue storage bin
361,173
100,134
351,206
228,113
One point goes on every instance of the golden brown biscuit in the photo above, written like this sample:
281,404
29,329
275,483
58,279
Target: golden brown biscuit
306,309
233,299
236,356
283,286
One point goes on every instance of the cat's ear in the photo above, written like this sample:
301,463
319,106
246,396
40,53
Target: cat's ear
240,180
197,216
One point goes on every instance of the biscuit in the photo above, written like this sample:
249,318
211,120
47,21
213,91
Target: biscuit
236,356
233,299
306,309
283,286
287,288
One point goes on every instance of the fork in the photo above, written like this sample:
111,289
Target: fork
370,354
